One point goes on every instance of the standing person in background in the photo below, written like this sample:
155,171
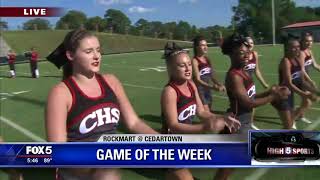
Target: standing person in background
253,67
241,90
180,103
204,75
306,55
239,84
86,104
33,56
11,56
291,75
307,62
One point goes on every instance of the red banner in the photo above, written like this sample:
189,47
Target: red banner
31,11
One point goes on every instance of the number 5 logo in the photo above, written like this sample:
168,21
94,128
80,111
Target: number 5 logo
48,150
288,150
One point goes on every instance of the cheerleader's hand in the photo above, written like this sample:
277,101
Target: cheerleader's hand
222,88
232,123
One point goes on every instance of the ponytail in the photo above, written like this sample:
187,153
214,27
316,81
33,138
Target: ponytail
70,43
67,70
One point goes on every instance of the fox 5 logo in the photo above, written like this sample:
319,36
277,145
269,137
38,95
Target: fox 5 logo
39,150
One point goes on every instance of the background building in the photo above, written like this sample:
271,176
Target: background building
298,28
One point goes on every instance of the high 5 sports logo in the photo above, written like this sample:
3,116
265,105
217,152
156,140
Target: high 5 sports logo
284,145
31,11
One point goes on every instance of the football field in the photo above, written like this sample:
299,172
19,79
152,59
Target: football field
143,76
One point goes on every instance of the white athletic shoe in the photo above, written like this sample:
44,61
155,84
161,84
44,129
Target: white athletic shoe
254,127
294,125
303,119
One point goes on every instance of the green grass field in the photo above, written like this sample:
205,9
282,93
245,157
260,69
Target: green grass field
47,40
23,100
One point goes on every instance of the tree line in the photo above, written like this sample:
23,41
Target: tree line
251,17
115,21
254,17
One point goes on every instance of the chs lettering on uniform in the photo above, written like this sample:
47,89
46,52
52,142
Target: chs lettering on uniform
204,71
296,75
188,112
102,116
252,91
250,66
308,63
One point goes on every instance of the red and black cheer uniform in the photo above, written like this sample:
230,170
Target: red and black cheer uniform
308,62
11,60
34,56
296,79
90,117
34,63
186,106
242,113
205,72
251,66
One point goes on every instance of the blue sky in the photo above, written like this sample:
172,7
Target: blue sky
201,13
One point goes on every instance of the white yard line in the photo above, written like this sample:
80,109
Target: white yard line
16,126
21,129
11,94
139,86
19,92
5,94
257,174
314,108
313,125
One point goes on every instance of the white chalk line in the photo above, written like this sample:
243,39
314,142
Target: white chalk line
21,129
16,126
11,94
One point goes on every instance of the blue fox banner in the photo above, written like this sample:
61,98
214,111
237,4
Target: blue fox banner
266,149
